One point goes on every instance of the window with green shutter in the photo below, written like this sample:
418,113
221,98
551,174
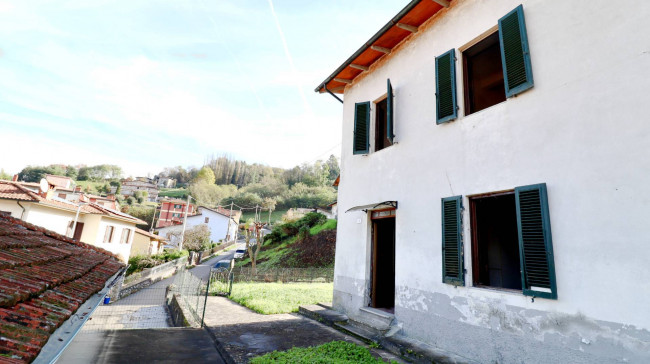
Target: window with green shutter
390,120
535,243
446,108
361,127
511,241
515,56
452,242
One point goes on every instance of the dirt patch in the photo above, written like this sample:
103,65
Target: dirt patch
315,251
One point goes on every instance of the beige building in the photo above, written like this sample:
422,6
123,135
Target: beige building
88,222
146,243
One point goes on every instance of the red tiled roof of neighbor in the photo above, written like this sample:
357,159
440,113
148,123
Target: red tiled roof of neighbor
58,181
222,211
44,278
148,234
14,191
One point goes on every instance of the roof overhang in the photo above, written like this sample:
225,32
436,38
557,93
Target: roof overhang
374,206
63,336
401,26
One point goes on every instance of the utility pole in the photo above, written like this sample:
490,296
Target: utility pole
229,218
187,207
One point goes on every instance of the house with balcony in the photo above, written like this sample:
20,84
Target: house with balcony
172,212
494,171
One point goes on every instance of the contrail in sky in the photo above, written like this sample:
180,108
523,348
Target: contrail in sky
239,67
289,58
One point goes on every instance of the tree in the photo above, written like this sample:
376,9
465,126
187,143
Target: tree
205,175
211,194
259,241
4,175
269,203
197,238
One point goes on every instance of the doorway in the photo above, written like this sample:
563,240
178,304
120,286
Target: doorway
382,293
78,230
495,242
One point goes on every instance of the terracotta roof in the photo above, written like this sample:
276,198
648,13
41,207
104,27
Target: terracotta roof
400,27
148,234
14,191
44,278
58,181
222,211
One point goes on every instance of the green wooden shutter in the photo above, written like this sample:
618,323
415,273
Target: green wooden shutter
515,56
452,242
361,127
446,109
389,113
535,243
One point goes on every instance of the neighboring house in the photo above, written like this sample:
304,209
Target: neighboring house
105,201
334,209
172,212
130,187
223,225
96,225
166,182
146,243
60,181
457,164
49,286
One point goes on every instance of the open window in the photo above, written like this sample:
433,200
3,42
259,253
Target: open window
512,246
483,75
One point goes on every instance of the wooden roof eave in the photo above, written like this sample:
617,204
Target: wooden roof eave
336,84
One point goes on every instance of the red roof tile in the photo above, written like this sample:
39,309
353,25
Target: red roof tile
44,278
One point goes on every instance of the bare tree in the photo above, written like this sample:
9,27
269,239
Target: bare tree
259,240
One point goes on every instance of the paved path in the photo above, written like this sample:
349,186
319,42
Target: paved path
244,334
203,270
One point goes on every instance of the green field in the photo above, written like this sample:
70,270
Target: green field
276,215
93,186
271,298
173,192
339,352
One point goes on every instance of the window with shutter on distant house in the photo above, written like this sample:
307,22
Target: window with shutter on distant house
108,235
511,241
361,142
497,66
126,233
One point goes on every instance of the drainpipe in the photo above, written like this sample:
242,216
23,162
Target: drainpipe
330,92
76,217
22,207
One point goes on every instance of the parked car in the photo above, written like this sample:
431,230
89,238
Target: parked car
225,264
239,253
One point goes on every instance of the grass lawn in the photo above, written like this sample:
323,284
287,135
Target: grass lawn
339,352
276,215
173,192
271,298
93,185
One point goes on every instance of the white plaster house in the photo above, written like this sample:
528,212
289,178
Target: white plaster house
495,169
223,225
96,225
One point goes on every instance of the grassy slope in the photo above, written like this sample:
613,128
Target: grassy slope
276,215
274,256
272,298
173,192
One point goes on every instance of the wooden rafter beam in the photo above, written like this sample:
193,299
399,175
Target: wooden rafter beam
359,67
343,80
410,28
443,3
337,89
380,49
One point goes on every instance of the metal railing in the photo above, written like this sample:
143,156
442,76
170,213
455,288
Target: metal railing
191,293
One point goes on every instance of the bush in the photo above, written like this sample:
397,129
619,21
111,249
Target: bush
139,262
303,233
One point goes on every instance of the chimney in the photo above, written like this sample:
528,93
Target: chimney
15,179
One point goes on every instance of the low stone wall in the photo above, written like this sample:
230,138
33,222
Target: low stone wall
147,277
176,311
198,257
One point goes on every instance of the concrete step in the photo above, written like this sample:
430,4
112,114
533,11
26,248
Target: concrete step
376,319
321,314
327,305
361,331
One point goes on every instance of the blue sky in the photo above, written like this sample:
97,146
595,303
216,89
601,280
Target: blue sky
149,84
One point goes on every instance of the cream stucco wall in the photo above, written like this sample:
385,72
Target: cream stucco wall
123,251
13,208
50,218
583,130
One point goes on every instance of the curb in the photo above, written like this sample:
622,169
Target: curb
217,344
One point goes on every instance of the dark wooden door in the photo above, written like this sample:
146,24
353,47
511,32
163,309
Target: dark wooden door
78,230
